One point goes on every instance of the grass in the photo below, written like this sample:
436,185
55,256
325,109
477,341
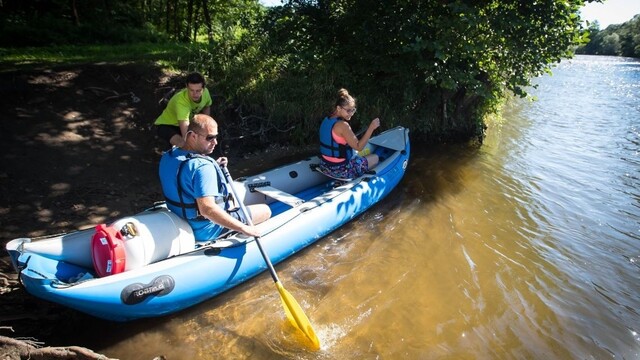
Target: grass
20,58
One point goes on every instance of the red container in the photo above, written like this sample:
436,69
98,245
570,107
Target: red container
107,251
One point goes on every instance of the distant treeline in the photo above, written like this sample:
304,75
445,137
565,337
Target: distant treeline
617,40
437,67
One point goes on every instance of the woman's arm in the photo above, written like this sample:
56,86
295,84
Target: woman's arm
343,129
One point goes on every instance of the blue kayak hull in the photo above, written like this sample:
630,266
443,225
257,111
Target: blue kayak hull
181,281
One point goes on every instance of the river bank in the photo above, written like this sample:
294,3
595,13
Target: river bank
78,149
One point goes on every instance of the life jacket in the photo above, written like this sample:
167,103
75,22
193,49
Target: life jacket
328,145
222,188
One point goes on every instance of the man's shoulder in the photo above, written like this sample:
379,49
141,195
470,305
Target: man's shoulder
177,154
204,159
181,97
197,162
206,96
191,162
180,92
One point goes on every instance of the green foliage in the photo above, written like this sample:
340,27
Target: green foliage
616,40
50,23
438,67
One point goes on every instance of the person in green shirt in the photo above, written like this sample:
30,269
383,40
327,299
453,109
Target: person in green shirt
194,99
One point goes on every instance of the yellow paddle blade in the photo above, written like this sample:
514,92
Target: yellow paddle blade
296,316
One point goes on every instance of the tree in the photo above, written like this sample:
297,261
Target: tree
611,44
437,66
618,39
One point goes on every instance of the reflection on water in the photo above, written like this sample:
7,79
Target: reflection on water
528,247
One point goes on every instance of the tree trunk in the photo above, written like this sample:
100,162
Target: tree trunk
207,20
187,35
168,17
74,10
107,8
196,21
143,10
176,21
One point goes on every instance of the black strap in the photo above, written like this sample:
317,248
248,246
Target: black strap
180,191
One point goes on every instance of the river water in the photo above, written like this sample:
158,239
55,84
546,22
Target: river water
528,247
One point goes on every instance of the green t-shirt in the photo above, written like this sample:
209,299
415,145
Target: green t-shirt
182,108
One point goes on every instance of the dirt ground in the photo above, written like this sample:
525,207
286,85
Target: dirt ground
78,148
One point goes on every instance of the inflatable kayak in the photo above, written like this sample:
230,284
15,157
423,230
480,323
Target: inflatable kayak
148,264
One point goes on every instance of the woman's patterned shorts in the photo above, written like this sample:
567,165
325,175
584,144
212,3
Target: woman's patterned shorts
348,170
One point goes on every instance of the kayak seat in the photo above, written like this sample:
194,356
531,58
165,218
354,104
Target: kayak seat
324,171
277,194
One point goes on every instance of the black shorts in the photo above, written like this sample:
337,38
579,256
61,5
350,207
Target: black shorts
166,132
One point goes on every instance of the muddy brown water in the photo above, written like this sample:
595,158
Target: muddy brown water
528,247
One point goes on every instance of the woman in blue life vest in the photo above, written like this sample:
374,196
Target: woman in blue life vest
196,189
337,141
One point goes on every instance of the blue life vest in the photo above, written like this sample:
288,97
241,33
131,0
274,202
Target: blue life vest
189,207
328,146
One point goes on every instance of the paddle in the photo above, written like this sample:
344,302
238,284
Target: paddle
294,312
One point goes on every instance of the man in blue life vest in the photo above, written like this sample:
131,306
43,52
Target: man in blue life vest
195,187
